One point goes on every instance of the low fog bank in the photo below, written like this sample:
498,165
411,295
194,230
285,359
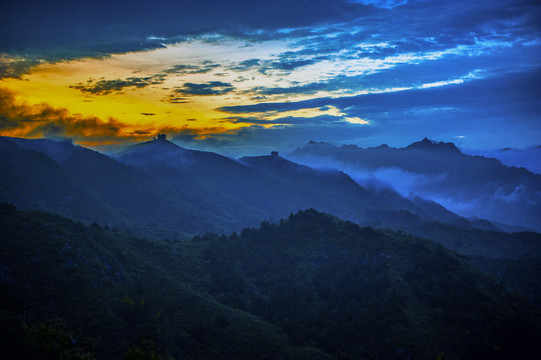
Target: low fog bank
513,204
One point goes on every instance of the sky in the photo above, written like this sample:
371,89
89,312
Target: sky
245,77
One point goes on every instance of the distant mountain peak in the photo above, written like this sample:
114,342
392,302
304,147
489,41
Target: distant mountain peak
431,145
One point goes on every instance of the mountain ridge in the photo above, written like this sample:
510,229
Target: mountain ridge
215,193
467,185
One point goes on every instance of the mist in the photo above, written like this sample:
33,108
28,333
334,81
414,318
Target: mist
489,191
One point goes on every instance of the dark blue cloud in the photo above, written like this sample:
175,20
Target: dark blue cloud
183,69
287,63
71,28
209,88
290,64
246,65
57,30
446,68
513,89
499,109
14,68
310,88
104,87
422,26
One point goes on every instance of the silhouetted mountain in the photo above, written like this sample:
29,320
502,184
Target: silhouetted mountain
32,180
467,185
165,191
309,287
368,205
334,190
238,194
429,145
89,186
258,188
384,208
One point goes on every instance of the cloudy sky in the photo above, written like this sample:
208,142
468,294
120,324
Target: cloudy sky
245,76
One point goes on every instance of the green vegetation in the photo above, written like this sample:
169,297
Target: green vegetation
71,291
309,287
364,293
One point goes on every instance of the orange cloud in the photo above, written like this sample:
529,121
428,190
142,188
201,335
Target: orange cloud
43,120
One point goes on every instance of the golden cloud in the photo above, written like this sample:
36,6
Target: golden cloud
42,120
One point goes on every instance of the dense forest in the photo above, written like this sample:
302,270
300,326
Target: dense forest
307,287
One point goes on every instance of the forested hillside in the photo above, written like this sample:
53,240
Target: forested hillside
311,286
71,291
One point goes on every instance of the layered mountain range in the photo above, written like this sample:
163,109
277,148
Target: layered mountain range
161,189
471,186
304,285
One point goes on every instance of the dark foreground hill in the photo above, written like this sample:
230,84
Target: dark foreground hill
309,287
70,291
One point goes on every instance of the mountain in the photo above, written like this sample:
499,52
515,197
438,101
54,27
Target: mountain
380,207
471,186
308,287
161,190
270,187
384,208
240,195
361,293
89,186
33,180
71,291
527,158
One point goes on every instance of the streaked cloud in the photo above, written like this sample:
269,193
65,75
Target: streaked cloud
104,87
210,88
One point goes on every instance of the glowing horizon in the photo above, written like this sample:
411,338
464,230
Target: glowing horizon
344,79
